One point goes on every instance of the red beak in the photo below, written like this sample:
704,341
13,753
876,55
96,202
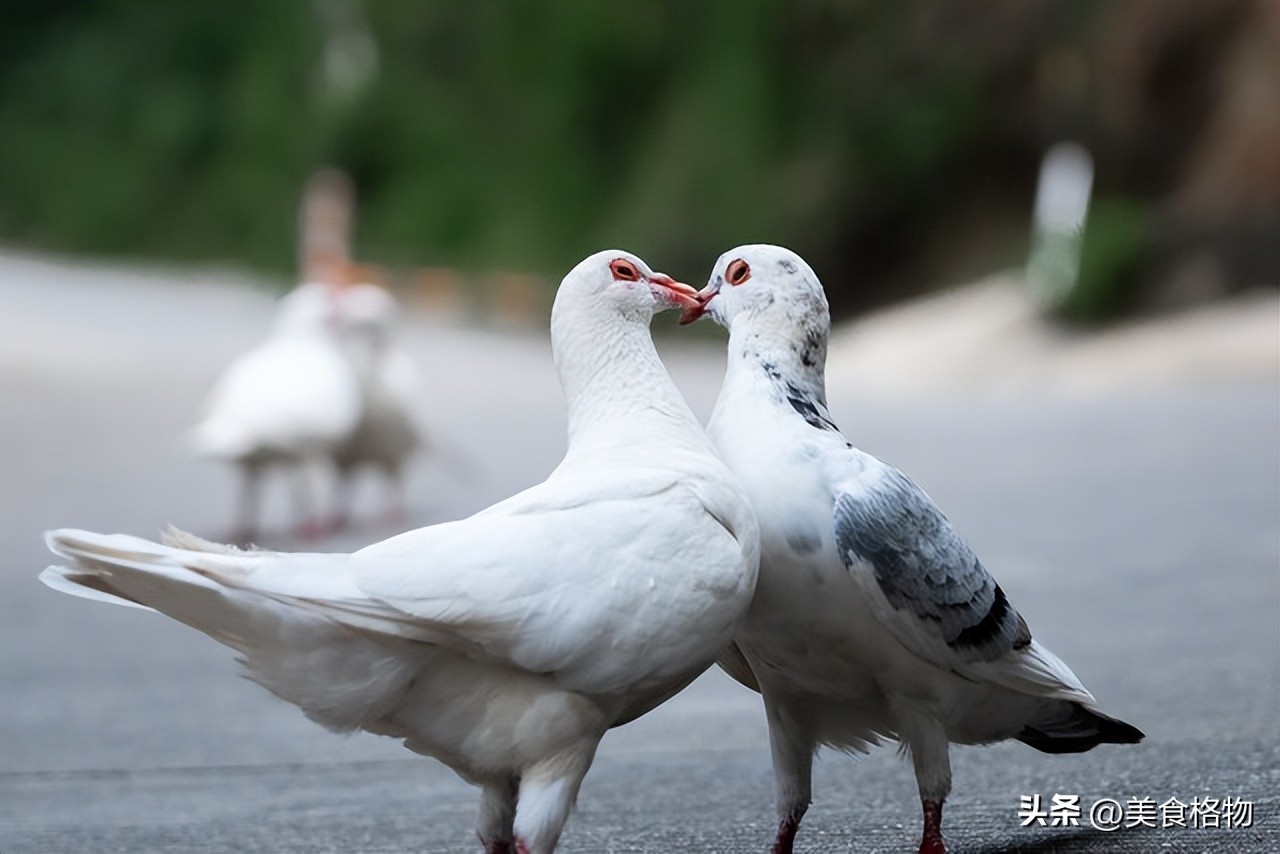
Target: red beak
699,308
684,295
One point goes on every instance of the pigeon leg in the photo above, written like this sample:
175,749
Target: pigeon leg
497,812
547,793
792,750
343,489
306,482
396,513
927,741
787,829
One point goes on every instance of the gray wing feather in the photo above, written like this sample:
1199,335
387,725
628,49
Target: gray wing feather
923,567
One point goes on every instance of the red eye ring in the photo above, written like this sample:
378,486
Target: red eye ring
738,272
624,270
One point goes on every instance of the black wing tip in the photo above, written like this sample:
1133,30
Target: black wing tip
1083,730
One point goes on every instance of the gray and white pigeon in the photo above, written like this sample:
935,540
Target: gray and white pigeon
388,434
505,644
872,619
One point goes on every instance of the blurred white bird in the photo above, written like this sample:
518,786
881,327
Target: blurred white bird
388,434
508,643
289,402
872,618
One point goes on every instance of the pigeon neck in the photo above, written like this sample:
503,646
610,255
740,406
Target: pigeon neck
790,359
616,387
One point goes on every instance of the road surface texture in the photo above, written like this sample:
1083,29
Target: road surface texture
1135,526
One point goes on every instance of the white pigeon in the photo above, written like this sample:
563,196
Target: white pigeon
872,618
289,402
387,434
505,644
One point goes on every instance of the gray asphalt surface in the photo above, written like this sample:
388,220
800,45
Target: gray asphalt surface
1137,532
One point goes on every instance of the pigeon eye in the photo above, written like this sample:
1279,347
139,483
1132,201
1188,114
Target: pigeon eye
739,271
624,270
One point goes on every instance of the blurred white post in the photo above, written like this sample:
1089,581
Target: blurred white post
1062,204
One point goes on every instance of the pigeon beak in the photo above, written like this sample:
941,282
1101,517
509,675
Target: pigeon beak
681,294
699,308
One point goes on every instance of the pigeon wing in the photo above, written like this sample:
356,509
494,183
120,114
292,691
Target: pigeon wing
925,583
547,589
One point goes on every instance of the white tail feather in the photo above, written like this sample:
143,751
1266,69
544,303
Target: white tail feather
1035,671
84,585
340,679
177,538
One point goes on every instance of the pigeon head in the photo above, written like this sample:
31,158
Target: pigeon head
309,308
365,323
366,310
760,284
365,303
612,377
624,284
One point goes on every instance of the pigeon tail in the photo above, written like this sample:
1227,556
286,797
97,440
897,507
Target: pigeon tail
169,579
1081,729
339,680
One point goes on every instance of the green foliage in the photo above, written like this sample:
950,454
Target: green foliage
492,133
1116,241
153,127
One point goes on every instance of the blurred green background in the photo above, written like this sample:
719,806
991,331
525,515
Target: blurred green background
894,143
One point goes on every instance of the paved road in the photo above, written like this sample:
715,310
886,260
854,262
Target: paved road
1137,532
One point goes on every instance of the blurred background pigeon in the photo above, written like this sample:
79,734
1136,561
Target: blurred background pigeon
290,403
329,393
